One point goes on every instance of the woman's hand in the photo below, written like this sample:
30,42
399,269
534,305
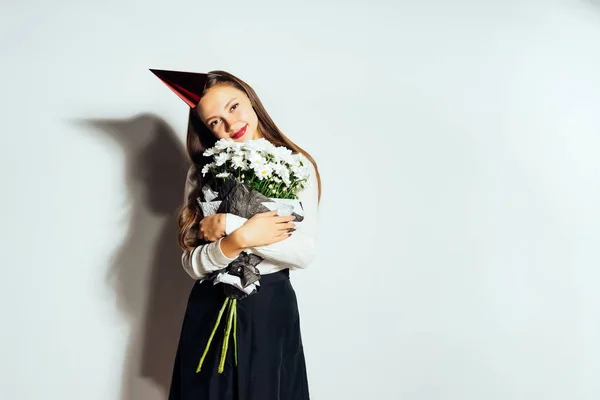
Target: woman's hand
265,228
212,227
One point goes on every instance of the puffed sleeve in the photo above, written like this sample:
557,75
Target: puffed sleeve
299,250
204,258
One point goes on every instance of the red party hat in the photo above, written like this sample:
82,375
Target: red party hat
189,86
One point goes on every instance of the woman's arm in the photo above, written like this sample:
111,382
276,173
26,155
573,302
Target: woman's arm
211,256
298,250
208,257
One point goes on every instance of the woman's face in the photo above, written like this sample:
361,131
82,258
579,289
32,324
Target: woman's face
228,114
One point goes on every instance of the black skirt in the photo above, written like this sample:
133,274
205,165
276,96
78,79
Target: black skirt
264,358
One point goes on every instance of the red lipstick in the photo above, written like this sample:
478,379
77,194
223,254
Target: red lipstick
240,133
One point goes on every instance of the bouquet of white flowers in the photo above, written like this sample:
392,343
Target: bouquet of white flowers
246,178
269,169
256,167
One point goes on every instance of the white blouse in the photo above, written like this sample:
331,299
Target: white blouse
297,251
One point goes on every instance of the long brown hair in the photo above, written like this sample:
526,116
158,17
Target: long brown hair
199,138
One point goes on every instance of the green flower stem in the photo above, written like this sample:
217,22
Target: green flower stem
212,334
235,351
227,333
279,190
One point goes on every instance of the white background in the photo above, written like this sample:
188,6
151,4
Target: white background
458,143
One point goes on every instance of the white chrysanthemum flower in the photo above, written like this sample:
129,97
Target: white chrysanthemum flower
235,148
209,152
299,167
223,174
222,158
238,151
263,171
239,162
207,167
290,159
224,144
255,158
279,168
285,177
270,147
281,153
261,144
301,172
297,159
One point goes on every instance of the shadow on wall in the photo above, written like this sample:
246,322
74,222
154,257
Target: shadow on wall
595,4
150,286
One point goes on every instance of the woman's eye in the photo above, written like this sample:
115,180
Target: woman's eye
233,107
213,123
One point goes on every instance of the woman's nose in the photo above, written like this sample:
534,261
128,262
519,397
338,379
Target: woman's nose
229,123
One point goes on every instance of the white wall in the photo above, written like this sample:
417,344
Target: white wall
458,143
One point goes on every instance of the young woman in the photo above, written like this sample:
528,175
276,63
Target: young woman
269,362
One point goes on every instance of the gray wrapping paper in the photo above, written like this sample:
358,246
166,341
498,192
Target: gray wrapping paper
241,277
